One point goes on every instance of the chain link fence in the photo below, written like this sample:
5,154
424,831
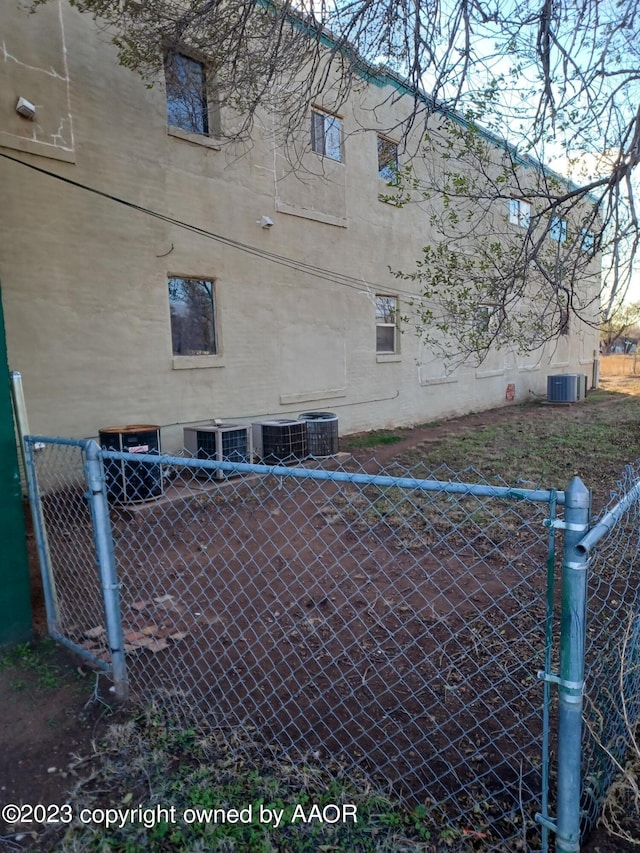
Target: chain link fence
64,538
613,644
392,621
397,620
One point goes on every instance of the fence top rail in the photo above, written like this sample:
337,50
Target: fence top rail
609,520
83,443
381,480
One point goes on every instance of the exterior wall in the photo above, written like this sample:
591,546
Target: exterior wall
85,278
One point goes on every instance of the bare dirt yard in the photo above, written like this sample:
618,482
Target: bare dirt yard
55,710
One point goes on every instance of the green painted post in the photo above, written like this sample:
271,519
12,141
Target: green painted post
15,593
571,676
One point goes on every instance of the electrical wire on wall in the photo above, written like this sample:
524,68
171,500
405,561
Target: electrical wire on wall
337,278
333,276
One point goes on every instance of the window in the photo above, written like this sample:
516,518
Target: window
386,324
588,241
487,319
519,212
192,308
326,134
558,229
387,159
484,313
186,81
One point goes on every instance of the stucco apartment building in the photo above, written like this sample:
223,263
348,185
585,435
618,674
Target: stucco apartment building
151,276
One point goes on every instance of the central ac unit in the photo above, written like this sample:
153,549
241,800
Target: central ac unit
562,388
280,441
219,443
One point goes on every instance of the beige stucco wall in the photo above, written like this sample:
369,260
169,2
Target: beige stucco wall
84,279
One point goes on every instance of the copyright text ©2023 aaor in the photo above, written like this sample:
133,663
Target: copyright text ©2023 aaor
150,816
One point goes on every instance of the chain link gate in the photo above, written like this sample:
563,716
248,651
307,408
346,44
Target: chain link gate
70,518
393,621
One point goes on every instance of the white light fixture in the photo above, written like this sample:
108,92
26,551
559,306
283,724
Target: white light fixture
265,222
26,109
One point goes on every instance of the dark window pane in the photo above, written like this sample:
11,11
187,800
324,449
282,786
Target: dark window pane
191,303
317,132
385,339
186,93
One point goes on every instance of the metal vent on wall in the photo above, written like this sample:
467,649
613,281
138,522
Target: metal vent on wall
219,443
281,441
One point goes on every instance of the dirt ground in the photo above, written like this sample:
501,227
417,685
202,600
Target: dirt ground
53,712
48,725
51,716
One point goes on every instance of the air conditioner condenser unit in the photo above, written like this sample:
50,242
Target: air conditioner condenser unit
562,388
219,443
279,442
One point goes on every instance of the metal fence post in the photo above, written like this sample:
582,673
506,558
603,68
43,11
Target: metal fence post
571,676
42,544
106,564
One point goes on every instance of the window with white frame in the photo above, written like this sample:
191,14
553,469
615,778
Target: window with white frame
326,134
186,85
558,229
193,316
386,324
519,212
387,159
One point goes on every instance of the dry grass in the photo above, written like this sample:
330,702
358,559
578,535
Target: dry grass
621,809
619,365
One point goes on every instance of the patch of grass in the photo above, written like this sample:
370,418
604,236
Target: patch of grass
32,664
543,446
375,438
148,762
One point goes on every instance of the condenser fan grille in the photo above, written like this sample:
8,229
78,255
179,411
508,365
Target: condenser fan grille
221,443
283,441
